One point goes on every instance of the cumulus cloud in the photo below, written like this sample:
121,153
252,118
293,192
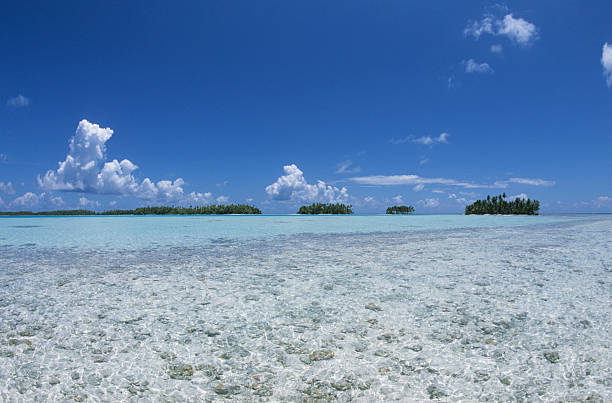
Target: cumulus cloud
419,187
292,186
518,196
531,181
472,66
518,30
606,62
222,199
346,167
497,48
18,102
32,200
7,188
369,199
398,199
88,204
425,140
460,200
429,203
85,169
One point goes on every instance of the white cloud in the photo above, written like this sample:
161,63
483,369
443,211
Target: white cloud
346,167
429,203
369,199
112,203
292,186
518,196
85,170
222,199
437,191
33,200
460,200
472,66
88,204
391,180
606,62
29,199
7,188
530,181
18,102
3,157
418,187
424,161
497,48
425,140
398,199
477,28
517,30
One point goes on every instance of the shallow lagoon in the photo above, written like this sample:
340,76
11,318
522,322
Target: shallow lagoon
284,308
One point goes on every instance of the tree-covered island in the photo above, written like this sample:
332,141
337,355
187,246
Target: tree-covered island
499,205
326,208
399,210
160,210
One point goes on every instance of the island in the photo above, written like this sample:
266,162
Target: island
212,209
499,205
326,208
399,210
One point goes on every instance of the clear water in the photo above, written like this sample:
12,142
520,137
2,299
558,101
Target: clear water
285,308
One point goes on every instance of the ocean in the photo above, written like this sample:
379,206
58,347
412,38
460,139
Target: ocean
292,308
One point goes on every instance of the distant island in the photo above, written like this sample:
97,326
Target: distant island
499,205
399,210
326,208
160,210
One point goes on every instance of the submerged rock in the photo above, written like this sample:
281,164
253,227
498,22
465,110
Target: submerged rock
435,392
373,307
222,389
212,332
180,371
323,354
552,357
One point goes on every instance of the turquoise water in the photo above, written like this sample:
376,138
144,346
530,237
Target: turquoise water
290,308
125,232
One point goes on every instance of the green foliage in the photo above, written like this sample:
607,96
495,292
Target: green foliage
326,208
161,210
499,205
198,210
399,210
56,212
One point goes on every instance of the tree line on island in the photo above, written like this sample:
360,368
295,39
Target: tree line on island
160,210
490,205
499,205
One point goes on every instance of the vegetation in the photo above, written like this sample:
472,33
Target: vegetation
161,210
56,212
499,205
326,208
198,210
400,210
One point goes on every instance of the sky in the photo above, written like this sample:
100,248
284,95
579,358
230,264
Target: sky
107,105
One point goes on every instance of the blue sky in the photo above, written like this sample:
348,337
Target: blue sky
280,104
